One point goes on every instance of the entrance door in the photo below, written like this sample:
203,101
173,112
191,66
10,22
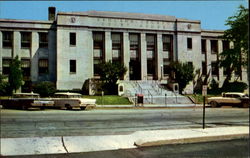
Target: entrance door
134,70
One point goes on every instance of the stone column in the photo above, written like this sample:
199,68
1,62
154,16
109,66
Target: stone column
126,53
108,46
16,44
34,56
143,57
220,49
159,57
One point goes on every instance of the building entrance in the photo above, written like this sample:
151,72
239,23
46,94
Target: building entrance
134,70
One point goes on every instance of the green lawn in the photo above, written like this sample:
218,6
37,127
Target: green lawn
199,98
109,100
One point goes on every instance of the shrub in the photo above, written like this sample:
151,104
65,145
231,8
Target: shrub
234,87
44,88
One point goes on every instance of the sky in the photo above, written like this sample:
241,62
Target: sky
212,13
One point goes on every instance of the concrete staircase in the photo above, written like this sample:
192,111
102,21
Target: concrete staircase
153,93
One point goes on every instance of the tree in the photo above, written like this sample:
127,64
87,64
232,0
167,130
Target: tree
234,58
15,76
4,86
110,73
184,73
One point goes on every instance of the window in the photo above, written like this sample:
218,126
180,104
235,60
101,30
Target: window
116,47
167,42
214,46
43,66
203,46
7,39
72,68
25,39
150,42
43,40
98,43
225,45
150,67
134,41
25,65
189,43
6,66
204,69
72,40
215,69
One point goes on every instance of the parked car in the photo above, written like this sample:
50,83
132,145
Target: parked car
72,100
230,98
27,100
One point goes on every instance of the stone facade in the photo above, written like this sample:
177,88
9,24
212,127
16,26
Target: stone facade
76,41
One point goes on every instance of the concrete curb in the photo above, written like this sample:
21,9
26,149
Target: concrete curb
73,144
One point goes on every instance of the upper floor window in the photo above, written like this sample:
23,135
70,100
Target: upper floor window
43,40
7,37
98,39
167,42
225,45
116,41
214,46
203,46
150,42
25,39
72,40
134,41
189,43
72,67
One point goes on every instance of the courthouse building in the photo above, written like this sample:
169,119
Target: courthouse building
67,48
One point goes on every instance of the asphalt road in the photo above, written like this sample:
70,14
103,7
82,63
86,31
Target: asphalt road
224,149
18,123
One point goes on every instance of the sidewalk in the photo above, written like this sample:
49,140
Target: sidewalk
69,144
152,106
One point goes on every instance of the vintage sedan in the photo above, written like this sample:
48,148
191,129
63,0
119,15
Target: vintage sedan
230,98
73,100
27,100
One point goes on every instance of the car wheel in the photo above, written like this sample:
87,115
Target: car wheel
214,104
245,105
68,107
82,107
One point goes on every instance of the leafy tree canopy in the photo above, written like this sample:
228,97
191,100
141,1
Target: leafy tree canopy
232,59
110,73
184,73
15,76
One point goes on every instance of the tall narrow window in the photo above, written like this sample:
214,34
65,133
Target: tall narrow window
116,47
204,69
25,65
203,46
25,39
6,66
72,40
215,68
134,40
225,45
99,55
72,66
43,66
43,40
189,43
214,46
7,37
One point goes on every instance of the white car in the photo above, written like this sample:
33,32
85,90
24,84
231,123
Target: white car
230,98
72,100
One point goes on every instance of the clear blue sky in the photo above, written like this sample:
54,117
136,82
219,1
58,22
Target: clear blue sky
212,14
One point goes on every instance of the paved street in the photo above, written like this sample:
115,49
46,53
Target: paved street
17,123
223,149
